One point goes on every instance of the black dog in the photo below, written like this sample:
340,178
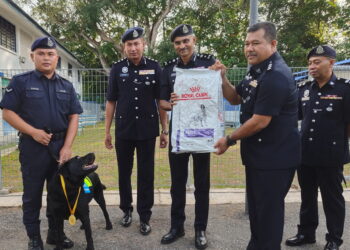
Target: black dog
74,172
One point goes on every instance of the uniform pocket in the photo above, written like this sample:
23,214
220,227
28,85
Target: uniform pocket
37,93
63,100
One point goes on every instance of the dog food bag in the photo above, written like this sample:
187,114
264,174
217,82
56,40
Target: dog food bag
197,119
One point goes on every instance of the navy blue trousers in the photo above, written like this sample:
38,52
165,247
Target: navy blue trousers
37,165
328,179
266,190
145,175
179,174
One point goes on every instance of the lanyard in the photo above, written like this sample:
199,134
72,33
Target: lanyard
72,218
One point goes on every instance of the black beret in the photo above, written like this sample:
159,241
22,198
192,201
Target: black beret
132,34
44,43
181,30
322,50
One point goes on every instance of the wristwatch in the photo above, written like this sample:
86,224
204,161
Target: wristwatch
230,141
165,132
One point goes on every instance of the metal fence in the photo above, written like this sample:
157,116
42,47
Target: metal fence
91,85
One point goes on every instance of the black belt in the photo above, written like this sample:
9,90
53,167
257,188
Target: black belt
55,136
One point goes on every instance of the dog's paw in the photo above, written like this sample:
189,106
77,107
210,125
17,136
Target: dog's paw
109,226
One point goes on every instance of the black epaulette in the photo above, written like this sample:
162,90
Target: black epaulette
61,77
303,83
342,80
121,60
170,62
205,56
151,59
24,73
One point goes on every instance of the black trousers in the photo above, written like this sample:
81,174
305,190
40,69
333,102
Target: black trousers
179,174
328,179
145,175
266,190
37,165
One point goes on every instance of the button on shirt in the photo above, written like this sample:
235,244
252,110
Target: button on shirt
269,89
135,88
42,102
325,114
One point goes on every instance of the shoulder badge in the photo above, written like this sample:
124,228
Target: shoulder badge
170,62
342,80
205,56
303,83
269,67
151,59
121,60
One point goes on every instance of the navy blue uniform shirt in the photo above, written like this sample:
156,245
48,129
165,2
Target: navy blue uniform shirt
269,89
325,115
42,102
135,88
169,74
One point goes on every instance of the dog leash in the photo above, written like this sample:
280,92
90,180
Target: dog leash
71,218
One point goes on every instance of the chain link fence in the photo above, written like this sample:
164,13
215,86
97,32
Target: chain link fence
91,85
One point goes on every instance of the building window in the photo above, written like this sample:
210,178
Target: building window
78,75
70,69
59,63
7,34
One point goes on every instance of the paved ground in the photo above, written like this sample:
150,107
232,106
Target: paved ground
228,227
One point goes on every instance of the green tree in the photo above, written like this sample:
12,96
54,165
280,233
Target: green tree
302,25
96,26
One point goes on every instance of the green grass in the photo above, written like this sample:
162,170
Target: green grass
226,170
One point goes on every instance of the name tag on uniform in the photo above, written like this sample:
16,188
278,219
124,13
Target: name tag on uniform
305,98
124,74
331,97
147,72
62,91
253,83
32,88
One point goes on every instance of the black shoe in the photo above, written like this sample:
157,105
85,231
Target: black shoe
200,239
126,220
145,228
35,243
51,239
172,235
300,239
331,245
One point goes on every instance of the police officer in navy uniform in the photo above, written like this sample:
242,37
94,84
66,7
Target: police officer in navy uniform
133,93
324,108
270,143
184,42
44,108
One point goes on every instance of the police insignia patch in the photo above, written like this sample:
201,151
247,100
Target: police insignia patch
319,50
135,34
125,69
49,42
185,29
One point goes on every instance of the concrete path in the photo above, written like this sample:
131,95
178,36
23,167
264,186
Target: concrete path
228,226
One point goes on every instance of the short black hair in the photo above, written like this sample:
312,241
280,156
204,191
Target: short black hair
268,27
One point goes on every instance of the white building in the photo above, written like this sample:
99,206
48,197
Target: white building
17,33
